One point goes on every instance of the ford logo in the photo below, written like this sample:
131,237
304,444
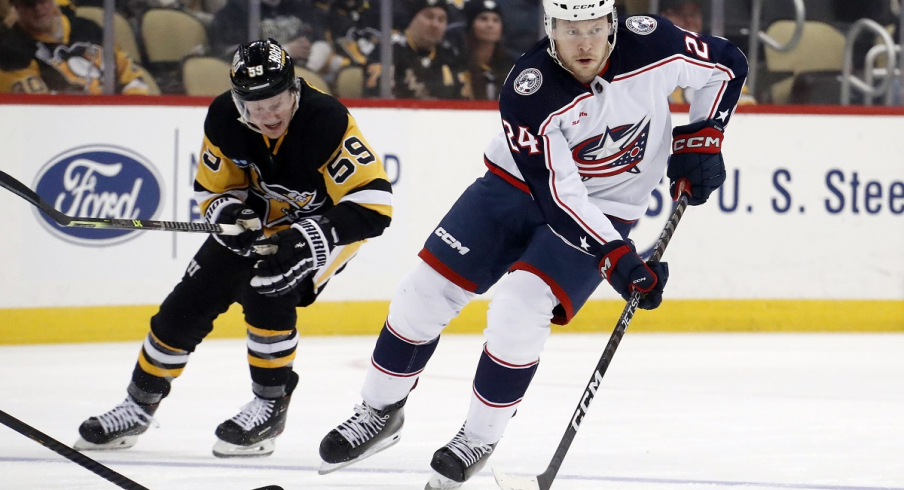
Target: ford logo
99,181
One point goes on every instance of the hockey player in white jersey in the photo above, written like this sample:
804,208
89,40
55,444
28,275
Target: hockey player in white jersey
586,137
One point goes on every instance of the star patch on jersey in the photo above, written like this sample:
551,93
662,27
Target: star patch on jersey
641,24
617,150
528,81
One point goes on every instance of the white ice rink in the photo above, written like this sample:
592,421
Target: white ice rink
686,411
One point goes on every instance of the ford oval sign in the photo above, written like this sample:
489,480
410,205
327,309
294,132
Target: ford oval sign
99,181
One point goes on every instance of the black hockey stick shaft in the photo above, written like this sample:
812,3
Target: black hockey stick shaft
77,457
18,188
545,479
67,452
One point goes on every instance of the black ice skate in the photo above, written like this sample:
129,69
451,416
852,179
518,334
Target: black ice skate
457,461
366,433
251,432
117,429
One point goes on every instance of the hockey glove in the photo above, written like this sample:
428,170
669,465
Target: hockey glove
696,161
299,251
228,210
627,272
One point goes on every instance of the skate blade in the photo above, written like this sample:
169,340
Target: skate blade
223,449
331,467
121,443
440,482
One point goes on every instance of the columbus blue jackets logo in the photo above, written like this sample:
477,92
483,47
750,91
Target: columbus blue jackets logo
641,24
617,150
528,81
99,182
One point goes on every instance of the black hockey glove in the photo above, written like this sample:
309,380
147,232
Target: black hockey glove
228,210
696,164
627,272
299,251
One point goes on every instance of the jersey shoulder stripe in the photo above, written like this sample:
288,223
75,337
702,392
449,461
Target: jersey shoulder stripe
536,87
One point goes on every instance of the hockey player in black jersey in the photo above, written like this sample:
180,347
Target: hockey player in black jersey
586,136
289,164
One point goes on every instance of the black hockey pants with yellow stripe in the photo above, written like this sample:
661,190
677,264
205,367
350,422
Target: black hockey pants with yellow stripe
216,278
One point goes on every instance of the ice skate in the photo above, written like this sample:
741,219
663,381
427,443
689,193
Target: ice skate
457,461
366,433
251,432
117,429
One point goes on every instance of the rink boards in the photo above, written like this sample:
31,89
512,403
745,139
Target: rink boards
806,234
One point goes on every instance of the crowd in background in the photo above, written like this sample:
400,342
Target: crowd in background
441,49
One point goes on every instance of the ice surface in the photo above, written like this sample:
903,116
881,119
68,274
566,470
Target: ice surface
683,411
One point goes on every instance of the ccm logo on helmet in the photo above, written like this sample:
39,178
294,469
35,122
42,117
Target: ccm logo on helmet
581,7
451,241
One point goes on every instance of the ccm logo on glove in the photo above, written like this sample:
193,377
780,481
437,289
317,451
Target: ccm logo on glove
708,140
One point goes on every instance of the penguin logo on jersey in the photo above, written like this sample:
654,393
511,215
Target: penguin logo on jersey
617,150
99,181
285,205
528,81
641,24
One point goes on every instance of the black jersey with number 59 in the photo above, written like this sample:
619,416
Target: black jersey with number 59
321,166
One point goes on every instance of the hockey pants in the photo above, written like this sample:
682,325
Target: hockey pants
214,279
518,326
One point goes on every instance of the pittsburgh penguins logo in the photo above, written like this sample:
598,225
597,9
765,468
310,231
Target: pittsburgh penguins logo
79,63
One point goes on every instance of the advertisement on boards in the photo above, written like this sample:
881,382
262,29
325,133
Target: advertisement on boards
813,206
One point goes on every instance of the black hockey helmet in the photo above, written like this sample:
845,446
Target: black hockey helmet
260,70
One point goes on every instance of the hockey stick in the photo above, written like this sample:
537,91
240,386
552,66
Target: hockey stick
77,457
19,189
66,451
544,480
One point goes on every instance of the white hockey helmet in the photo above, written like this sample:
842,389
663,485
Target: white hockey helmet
575,10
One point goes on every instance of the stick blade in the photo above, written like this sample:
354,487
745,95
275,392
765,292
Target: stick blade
512,482
270,487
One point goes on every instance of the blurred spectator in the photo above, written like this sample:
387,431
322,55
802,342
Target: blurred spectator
424,65
203,10
56,52
488,61
523,25
688,15
288,22
7,14
455,9
350,33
